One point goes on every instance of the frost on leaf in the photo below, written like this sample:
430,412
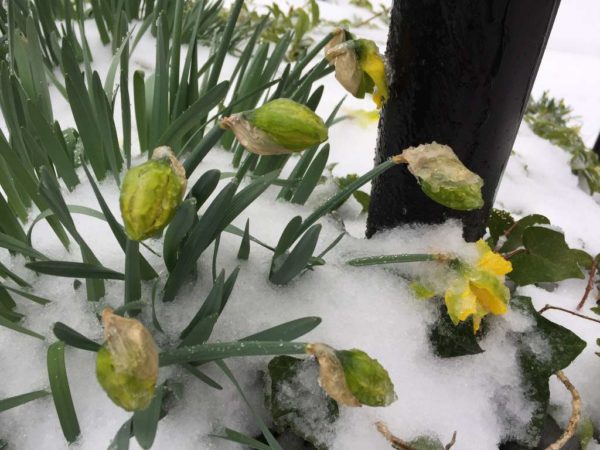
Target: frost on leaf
443,177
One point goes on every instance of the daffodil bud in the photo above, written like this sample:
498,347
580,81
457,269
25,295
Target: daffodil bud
278,127
443,177
351,377
127,363
359,67
151,194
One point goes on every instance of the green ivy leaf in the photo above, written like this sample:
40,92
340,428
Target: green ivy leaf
426,443
547,258
499,222
296,400
562,347
449,340
514,239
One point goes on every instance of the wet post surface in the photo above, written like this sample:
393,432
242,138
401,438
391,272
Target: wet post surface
460,74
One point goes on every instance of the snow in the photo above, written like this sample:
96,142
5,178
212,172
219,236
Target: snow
371,308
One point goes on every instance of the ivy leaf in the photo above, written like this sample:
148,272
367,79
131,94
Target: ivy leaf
363,198
514,239
561,347
426,443
499,222
548,258
449,340
297,401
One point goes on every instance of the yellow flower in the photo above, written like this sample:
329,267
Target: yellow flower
480,289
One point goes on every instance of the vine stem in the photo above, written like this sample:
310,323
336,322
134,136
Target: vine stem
575,413
547,307
589,285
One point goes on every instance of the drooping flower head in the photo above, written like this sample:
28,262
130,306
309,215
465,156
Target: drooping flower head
478,289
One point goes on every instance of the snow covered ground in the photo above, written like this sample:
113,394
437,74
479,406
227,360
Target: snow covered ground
367,308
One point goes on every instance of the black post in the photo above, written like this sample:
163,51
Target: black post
597,145
460,73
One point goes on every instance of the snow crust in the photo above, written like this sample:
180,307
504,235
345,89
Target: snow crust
371,308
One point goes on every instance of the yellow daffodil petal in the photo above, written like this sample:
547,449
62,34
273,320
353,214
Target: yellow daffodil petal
460,301
490,261
490,291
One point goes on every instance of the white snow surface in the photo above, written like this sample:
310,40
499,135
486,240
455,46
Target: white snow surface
371,308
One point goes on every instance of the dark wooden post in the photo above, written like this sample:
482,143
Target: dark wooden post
597,145
460,73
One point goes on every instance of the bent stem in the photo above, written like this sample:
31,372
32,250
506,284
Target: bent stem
575,413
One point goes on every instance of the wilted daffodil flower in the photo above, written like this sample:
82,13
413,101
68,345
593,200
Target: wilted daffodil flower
478,289
278,127
443,177
351,377
359,67
151,194
127,363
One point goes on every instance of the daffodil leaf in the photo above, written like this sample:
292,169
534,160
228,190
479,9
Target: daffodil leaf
514,238
449,340
560,347
499,222
547,258
296,400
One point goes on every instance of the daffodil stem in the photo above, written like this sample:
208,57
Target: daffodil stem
133,288
338,199
392,259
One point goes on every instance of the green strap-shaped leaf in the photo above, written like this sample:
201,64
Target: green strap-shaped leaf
178,230
18,400
222,350
312,177
244,251
285,268
73,338
145,422
59,385
71,269
4,322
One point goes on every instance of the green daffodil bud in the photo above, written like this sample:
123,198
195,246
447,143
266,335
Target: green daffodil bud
278,127
127,363
351,377
443,177
359,67
151,194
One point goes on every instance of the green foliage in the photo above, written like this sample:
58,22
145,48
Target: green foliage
547,258
551,119
294,403
361,197
61,393
562,347
449,340
537,252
